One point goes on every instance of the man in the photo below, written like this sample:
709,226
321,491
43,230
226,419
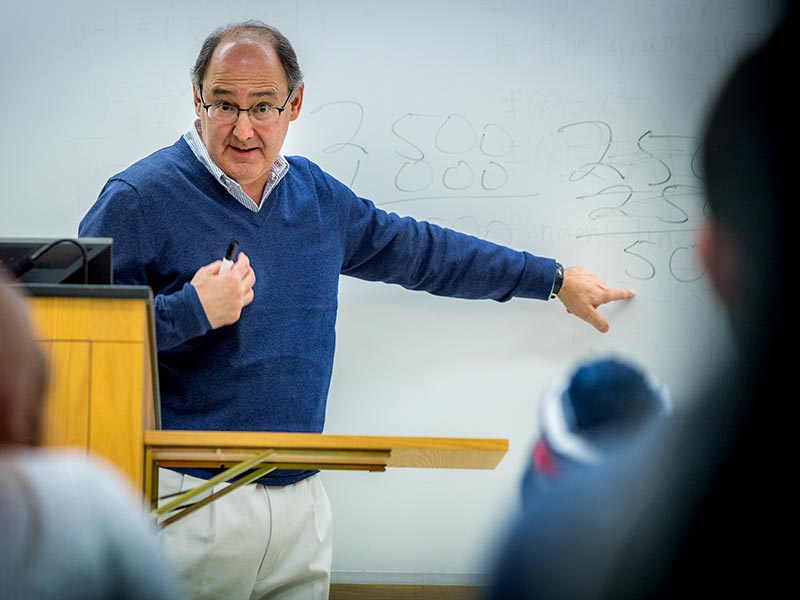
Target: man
252,348
698,508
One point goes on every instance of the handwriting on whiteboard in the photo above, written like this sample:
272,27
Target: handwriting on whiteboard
643,190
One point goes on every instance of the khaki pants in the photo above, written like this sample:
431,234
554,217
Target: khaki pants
256,542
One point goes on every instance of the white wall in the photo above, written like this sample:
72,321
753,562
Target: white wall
517,121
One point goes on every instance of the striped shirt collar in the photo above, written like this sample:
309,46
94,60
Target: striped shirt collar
279,169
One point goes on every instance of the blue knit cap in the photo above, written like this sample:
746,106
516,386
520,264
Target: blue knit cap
611,395
603,401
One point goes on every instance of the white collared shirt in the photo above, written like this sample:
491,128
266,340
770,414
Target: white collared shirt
279,169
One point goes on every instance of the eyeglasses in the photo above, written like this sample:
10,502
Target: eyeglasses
227,113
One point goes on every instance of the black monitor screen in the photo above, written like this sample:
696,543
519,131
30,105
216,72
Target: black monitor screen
55,260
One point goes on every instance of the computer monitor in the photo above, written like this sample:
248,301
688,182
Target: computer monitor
58,260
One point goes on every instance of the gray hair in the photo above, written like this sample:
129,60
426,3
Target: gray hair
281,45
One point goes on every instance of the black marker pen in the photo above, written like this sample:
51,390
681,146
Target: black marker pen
230,256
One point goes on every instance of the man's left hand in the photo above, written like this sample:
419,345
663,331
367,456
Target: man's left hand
582,292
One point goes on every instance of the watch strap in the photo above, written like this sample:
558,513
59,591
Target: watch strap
558,280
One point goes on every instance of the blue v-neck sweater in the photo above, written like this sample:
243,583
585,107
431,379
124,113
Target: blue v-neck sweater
270,371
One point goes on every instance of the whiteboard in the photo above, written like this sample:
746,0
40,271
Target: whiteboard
566,128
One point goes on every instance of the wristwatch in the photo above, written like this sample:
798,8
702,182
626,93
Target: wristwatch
558,281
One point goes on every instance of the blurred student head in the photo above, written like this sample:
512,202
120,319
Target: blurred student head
746,169
681,514
602,404
23,372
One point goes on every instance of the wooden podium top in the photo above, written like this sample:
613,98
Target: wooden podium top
71,290
313,450
251,454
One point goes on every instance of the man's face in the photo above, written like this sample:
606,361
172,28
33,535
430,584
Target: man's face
245,71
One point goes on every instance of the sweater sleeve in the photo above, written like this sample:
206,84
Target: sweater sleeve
120,214
418,255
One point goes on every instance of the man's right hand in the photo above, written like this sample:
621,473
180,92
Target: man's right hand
223,296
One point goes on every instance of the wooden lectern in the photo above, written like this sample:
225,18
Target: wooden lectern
100,341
